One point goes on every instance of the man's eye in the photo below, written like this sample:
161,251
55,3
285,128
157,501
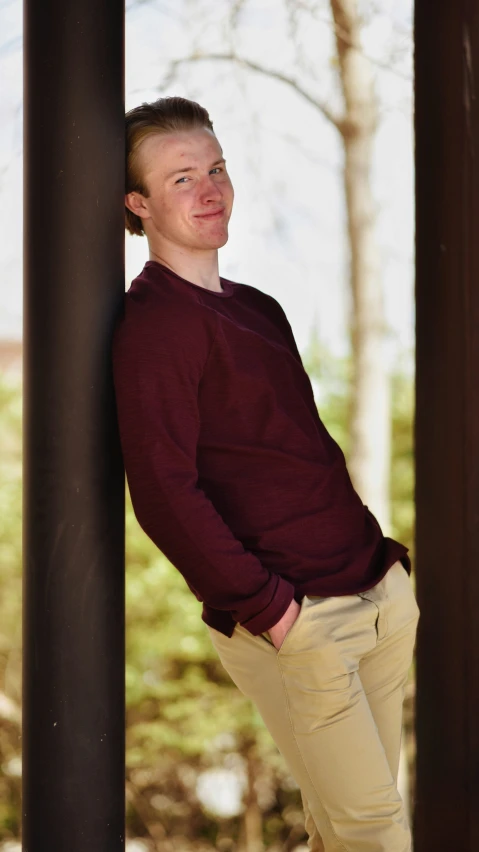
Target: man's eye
215,169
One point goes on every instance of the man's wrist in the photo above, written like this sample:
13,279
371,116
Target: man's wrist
271,614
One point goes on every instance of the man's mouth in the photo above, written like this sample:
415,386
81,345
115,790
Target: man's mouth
214,214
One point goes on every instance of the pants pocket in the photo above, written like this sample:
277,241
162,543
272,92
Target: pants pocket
403,605
292,630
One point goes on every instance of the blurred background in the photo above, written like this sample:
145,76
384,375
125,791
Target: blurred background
312,104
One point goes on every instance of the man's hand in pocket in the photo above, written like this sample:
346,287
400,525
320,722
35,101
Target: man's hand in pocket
280,629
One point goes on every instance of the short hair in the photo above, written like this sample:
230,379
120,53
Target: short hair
165,115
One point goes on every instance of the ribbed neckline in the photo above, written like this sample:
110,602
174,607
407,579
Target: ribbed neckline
228,286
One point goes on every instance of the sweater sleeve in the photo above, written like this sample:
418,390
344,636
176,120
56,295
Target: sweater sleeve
285,326
157,369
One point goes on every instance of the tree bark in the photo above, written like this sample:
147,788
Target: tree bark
252,826
370,416
370,402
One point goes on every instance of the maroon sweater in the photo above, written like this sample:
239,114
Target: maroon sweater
231,472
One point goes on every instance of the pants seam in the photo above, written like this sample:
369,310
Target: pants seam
301,756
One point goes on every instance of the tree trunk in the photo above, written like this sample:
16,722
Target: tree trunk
370,417
252,827
370,414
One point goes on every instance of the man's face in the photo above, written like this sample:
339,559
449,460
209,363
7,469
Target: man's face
190,192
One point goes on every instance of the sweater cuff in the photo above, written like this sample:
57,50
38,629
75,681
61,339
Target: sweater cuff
271,614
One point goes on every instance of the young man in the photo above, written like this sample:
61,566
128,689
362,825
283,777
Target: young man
235,478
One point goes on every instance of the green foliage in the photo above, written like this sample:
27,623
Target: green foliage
178,694
10,608
10,514
331,377
402,461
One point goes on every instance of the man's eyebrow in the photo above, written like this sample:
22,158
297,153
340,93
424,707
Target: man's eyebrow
192,168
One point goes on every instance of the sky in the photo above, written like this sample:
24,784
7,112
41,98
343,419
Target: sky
287,230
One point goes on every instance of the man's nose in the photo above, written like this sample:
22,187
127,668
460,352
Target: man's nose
209,188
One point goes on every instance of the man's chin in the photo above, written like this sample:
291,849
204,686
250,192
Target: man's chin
223,241
214,242
223,238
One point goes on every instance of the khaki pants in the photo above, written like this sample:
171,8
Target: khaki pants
332,698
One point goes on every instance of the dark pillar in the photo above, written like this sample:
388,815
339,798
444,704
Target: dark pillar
73,731
447,425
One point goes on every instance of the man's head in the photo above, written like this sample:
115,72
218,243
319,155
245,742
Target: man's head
175,174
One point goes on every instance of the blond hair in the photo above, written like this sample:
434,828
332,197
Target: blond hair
166,115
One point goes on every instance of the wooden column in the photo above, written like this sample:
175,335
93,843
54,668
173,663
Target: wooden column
73,676
447,424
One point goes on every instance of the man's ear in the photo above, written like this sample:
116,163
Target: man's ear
136,203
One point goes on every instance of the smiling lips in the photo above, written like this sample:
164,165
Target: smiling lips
213,215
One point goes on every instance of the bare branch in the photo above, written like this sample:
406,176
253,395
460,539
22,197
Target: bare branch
156,7
326,111
236,10
342,34
298,147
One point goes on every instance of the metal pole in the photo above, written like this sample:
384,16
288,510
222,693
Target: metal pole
447,425
73,734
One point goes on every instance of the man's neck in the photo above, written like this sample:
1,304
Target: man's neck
200,268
